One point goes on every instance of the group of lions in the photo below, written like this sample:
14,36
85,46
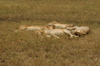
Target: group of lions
54,29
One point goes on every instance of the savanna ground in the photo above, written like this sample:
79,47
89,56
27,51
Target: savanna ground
27,49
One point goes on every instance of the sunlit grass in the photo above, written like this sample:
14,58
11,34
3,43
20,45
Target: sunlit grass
25,48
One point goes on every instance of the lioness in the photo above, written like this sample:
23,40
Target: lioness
83,30
55,32
26,27
58,25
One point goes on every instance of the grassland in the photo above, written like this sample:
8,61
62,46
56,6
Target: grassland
27,49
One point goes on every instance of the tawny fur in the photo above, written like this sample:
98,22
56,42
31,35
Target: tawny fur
55,32
25,27
83,30
58,25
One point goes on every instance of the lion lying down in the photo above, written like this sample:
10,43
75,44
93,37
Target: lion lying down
26,27
59,25
83,30
55,32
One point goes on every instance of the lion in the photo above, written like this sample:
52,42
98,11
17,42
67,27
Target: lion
55,32
59,25
83,30
26,27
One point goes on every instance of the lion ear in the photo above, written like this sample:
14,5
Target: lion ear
53,26
42,32
55,22
83,32
47,27
73,28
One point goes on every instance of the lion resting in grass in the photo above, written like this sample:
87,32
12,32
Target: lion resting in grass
55,32
58,25
26,27
83,30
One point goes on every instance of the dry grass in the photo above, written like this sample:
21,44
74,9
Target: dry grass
27,49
